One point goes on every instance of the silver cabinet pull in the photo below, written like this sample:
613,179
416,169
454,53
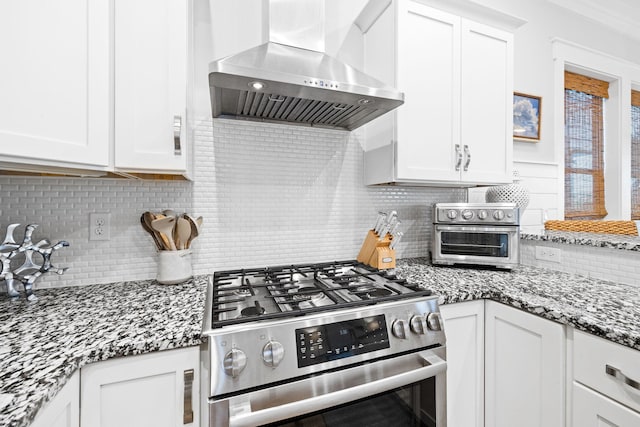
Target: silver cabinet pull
187,412
467,155
458,157
617,374
177,127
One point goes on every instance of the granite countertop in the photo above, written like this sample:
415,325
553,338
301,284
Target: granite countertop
606,309
598,240
43,344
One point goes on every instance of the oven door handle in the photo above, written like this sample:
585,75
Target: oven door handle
242,415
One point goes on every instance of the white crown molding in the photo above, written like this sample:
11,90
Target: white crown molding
620,15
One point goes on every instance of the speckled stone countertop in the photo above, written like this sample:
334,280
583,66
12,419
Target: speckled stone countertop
606,309
43,343
598,240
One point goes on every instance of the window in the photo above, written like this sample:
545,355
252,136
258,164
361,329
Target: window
635,154
584,146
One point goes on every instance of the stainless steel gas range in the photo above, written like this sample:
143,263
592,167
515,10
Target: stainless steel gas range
333,344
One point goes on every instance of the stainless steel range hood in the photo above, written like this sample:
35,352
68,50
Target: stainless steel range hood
291,80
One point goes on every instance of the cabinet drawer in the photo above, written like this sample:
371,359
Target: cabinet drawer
594,357
593,409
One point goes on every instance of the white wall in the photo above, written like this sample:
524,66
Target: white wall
534,74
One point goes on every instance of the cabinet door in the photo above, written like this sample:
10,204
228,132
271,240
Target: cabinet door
591,409
464,326
54,107
155,390
524,370
428,67
64,409
487,96
150,84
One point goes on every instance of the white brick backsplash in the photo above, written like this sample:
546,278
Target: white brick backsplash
601,263
269,194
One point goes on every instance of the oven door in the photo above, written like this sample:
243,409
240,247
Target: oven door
463,244
402,391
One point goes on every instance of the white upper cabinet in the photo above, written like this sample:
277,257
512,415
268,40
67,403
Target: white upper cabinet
455,127
94,86
150,85
54,107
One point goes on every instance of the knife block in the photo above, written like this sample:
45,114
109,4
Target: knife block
376,252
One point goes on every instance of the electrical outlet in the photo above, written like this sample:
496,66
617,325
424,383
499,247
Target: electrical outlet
546,253
99,224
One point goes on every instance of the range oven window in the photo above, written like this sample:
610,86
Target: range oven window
410,406
475,244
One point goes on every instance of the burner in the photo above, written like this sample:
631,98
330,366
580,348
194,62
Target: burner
242,292
252,311
255,310
378,292
305,293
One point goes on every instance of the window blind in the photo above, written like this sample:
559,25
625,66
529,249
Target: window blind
584,147
635,154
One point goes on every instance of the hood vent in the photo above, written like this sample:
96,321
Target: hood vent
287,84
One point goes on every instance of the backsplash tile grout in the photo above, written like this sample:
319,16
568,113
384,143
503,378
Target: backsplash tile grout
269,194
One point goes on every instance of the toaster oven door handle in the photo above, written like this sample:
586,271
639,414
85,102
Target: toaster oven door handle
241,411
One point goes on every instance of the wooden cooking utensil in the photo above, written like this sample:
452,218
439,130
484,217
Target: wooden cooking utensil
182,233
145,220
194,228
165,227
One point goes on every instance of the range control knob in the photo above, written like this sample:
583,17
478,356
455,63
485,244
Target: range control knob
418,325
452,214
482,214
272,353
467,214
399,329
498,215
234,362
433,322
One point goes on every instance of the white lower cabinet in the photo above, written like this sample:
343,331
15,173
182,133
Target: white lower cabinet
524,369
464,326
159,389
591,409
64,409
605,383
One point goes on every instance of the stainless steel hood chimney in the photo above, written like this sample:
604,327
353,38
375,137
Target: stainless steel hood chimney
291,80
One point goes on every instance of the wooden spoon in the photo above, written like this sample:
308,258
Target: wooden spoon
182,233
145,220
165,227
194,228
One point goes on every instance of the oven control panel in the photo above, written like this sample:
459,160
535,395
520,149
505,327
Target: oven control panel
332,341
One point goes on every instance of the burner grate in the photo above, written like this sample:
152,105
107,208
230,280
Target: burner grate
247,295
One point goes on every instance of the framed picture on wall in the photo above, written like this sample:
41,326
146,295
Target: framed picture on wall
526,117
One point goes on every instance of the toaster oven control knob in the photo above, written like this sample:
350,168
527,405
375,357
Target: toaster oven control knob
418,325
498,215
399,329
467,214
272,353
234,362
482,214
452,214
433,321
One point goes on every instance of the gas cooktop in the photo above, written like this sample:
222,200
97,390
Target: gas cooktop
248,295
